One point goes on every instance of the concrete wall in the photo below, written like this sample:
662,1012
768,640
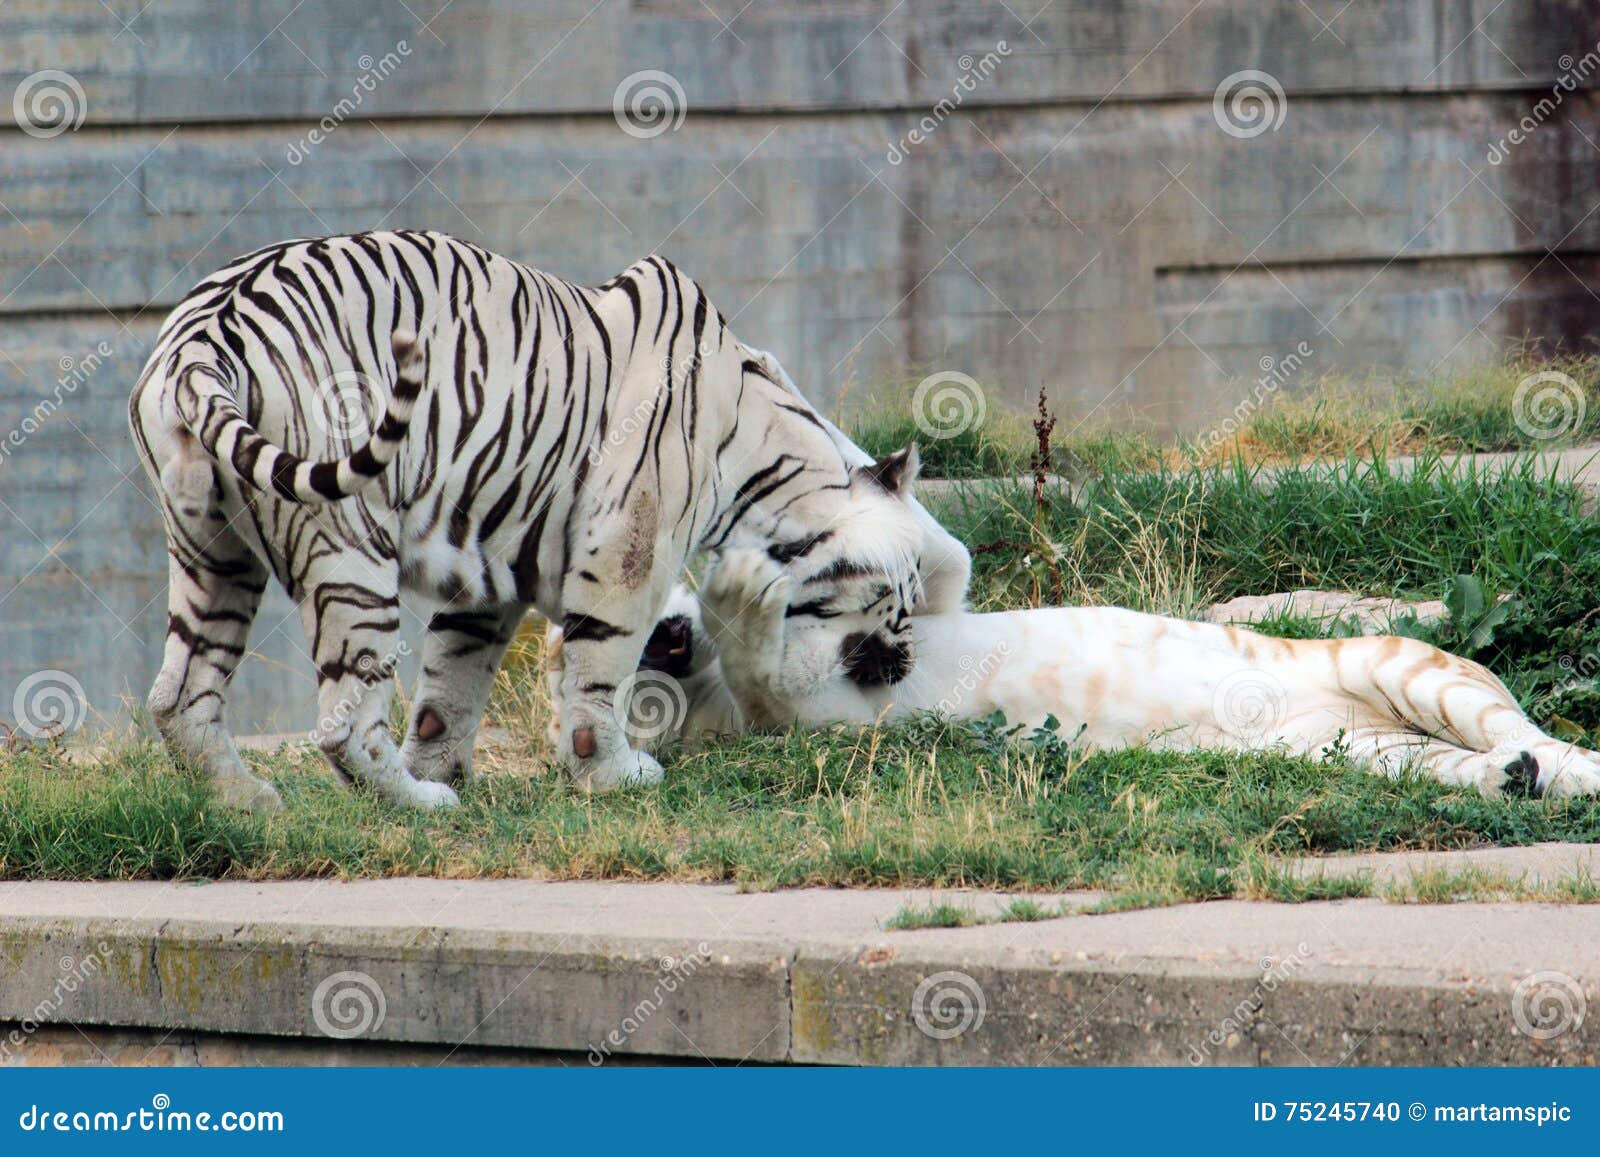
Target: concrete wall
1075,214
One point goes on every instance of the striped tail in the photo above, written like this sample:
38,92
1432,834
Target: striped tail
210,410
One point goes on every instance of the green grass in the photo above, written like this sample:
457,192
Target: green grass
1022,910
1455,886
924,804
910,918
1176,542
938,805
1460,411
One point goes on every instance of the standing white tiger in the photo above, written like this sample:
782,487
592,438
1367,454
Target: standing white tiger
542,443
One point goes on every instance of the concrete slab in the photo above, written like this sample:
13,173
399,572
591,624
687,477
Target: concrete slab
1548,863
606,970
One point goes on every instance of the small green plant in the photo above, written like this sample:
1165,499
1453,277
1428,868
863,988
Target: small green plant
909,918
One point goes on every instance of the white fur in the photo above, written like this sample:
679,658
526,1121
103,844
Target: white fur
1116,678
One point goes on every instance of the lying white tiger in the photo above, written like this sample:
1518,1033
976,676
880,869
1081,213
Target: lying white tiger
740,660
357,416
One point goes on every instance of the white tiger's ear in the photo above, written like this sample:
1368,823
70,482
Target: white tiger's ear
894,472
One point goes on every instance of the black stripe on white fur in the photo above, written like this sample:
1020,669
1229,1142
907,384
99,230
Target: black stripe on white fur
210,410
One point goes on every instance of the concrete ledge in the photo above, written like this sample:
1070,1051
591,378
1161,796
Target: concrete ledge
612,971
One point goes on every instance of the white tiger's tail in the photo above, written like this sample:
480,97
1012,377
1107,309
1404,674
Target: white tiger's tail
212,412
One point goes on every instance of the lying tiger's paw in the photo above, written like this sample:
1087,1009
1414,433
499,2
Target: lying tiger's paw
1575,774
744,580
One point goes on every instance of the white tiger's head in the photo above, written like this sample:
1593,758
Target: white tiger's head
944,564
859,550
855,562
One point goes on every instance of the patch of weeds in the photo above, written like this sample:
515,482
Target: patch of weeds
910,917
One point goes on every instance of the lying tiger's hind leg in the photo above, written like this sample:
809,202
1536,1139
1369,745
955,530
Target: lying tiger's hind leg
1428,690
1510,773
459,661
212,597
355,641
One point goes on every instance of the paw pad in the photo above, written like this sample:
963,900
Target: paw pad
1522,777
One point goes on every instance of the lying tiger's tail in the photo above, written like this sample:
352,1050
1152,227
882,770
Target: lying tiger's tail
212,412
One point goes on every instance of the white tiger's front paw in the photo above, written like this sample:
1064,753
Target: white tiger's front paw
420,793
627,768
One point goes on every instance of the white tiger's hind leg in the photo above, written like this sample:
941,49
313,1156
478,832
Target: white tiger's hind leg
211,602
459,661
355,640
1432,692
1497,773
